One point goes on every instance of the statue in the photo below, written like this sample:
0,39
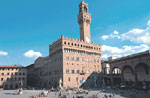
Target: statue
60,83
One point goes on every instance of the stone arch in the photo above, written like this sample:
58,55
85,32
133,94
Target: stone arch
116,75
142,72
116,70
128,73
128,67
145,66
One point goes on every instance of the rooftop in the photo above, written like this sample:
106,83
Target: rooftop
10,66
132,56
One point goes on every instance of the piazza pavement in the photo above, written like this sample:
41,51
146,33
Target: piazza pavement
99,93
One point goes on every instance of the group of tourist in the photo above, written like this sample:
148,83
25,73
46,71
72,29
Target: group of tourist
80,93
20,91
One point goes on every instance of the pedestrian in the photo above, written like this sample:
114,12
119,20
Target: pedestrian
110,96
105,96
113,96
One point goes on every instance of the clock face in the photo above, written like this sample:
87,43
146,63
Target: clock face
87,39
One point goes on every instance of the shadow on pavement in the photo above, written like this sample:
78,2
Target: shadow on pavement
10,93
127,93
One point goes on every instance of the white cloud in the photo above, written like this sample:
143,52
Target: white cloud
112,35
2,53
116,32
109,51
148,23
104,37
32,54
136,35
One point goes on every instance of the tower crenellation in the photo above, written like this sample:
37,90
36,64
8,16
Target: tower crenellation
84,20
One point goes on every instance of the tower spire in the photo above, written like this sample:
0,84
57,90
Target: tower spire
84,20
82,1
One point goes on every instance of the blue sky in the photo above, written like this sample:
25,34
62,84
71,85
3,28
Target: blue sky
27,27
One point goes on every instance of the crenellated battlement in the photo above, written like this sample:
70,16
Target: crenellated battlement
77,40
74,43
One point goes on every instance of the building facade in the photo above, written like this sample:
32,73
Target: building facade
13,77
30,75
75,62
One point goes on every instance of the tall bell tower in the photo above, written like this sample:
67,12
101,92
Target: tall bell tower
84,20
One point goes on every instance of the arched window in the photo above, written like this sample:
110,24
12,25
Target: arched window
85,9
